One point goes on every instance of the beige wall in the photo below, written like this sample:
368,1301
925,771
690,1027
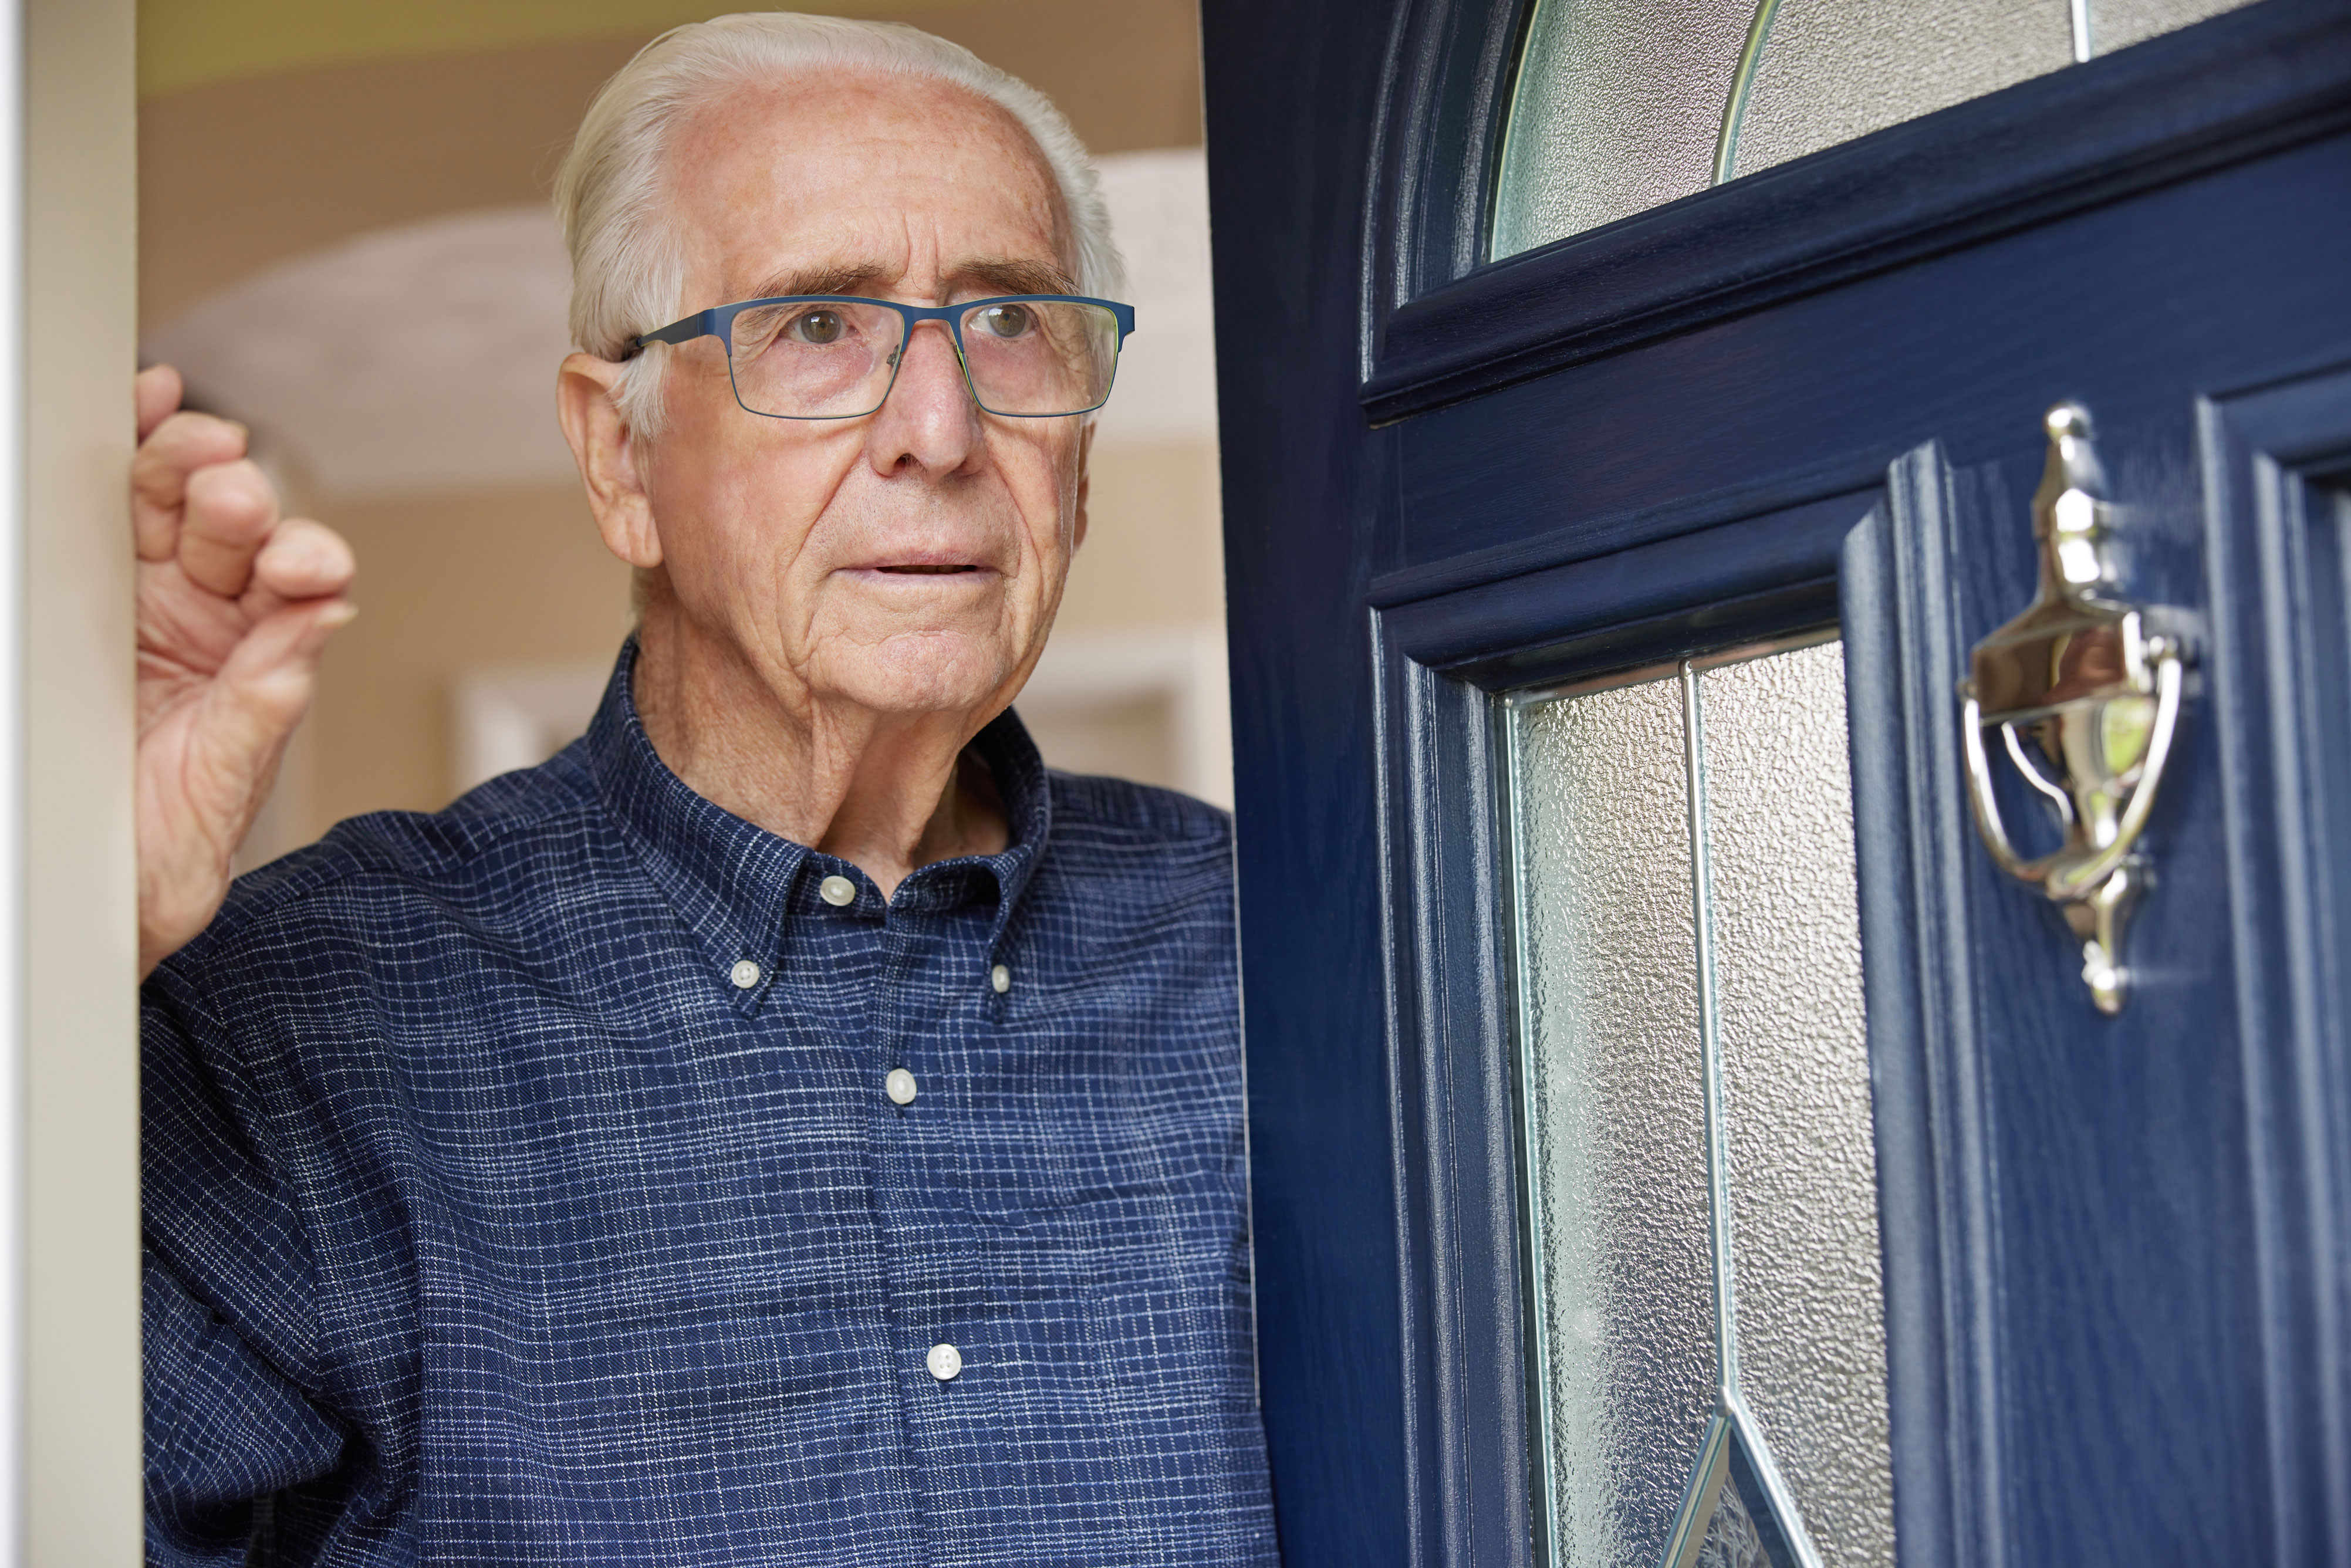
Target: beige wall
447,582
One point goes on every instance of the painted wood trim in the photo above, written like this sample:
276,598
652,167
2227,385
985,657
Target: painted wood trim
76,997
2277,633
1936,1210
1845,475
1747,575
1457,1148
1443,125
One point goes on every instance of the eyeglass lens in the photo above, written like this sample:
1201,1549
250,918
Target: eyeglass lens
834,359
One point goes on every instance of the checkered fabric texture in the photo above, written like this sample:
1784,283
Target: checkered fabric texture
490,1220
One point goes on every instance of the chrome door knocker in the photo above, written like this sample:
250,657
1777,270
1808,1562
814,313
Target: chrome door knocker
2081,689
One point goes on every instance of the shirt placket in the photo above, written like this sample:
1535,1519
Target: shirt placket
934,952
825,1005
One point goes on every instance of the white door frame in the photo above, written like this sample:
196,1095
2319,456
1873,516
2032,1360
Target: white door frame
70,1381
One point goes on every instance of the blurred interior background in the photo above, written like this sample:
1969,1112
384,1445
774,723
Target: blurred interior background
345,242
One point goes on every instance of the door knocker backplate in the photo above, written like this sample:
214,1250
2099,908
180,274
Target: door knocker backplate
2086,699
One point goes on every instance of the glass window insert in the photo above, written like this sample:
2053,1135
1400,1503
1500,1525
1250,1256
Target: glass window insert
1795,1088
1616,111
1701,1171
1623,105
1616,1137
1832,70
2119,24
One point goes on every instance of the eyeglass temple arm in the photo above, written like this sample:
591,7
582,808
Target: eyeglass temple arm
699,324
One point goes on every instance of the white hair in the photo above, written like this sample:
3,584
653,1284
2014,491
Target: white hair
627,270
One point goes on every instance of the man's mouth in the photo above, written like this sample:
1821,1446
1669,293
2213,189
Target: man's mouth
930,571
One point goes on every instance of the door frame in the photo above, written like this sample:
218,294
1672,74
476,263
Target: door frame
70,1484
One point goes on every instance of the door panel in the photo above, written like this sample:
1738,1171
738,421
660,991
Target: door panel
2113,1284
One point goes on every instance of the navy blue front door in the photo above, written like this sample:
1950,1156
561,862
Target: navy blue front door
2114,1246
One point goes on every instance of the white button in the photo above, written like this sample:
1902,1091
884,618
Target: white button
745,974
901,1085
836,891
1001,979
945,1362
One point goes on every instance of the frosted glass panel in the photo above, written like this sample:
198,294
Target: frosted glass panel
1640,1045
1836,69
1623,105
1795,1069
1616,111
1611,1035
2118,24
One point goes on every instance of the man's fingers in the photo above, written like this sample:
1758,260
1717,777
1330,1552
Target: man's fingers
205,765
183,445
303,559
262,691
156,394
232,509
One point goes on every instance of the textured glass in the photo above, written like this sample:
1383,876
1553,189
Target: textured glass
1616,1137
2119,24
1618,105
1789,1021
1616,111
1836,69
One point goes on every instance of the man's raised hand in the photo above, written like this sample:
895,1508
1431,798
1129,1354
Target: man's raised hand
236,605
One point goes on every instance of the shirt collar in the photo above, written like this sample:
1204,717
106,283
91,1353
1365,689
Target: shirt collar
732,881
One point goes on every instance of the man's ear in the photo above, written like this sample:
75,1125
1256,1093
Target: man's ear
605,449
1085,483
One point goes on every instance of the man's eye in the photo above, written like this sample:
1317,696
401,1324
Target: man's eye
815,327
1005,321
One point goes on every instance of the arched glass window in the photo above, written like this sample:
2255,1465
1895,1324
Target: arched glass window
1624,105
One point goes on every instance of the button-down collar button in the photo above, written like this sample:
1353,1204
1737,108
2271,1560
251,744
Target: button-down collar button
745,974
945,1361
901,1085
1001,979
836,891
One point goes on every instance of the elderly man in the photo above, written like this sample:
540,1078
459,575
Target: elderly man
790,1126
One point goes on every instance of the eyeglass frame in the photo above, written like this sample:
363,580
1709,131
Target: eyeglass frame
718,322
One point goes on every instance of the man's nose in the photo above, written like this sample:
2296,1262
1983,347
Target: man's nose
929,416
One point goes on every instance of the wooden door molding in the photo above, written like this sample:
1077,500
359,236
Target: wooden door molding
2277,489
1713,577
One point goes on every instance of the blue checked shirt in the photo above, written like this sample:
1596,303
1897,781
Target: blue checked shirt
523,1186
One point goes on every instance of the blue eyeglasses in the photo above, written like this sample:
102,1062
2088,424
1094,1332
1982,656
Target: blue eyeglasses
835,356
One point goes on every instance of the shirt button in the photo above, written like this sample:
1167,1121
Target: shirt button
901,1085
945,1362
745,974
836,891
1001,979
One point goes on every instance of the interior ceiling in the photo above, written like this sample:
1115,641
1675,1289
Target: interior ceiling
271,128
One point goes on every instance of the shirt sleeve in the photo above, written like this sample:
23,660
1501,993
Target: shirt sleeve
224,1429
229,1305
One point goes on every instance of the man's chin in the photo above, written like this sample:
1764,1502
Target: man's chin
926,673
